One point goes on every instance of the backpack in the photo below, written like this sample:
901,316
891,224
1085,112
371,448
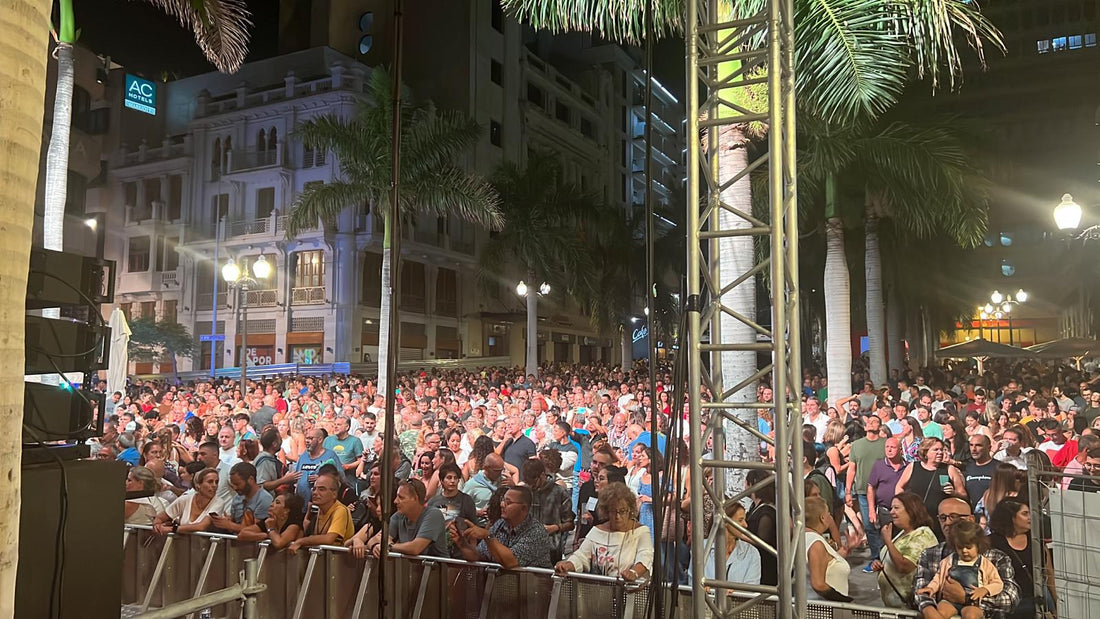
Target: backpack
833,499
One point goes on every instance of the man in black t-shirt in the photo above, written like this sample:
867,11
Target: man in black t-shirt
979,471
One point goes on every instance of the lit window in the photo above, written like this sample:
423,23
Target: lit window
1075,41
1007,268
1043,45
1059,44
1090,39
1006,239
989,240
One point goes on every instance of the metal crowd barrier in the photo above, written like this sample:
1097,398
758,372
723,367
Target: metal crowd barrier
1066,521
328,583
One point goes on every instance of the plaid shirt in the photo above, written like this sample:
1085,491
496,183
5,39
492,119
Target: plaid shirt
992,605
528,542
552,504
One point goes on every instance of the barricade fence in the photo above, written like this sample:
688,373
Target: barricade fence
327,582
1064,520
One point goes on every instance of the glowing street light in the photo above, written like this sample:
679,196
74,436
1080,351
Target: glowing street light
1067,215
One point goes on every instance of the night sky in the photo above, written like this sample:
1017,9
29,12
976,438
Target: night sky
147,41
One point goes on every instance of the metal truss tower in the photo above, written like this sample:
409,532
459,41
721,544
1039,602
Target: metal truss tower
740,83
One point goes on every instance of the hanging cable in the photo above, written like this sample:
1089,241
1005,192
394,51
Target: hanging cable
658,487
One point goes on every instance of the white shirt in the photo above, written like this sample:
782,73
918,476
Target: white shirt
821,423
1017,461
180,509
228,456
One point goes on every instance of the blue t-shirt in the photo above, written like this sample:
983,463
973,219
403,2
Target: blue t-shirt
348,450
258,505
130,455
644,440
309,465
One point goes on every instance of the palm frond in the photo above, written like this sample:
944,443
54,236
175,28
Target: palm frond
933,28
220,27
450,191
851,61
620,20
323,203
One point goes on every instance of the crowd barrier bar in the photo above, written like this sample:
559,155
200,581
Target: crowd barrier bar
345,589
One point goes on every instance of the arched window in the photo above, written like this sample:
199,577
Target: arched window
261,140
272,139
225,153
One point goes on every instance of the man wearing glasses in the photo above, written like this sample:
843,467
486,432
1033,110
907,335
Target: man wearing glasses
1091,466
951,511
1057,446
330,523
516,540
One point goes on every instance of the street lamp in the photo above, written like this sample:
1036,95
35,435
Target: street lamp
532,322
1002,305
237,277
1067,215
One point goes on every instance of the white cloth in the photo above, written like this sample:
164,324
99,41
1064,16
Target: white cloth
228,456
148,509
609,552
180,509
836,573
820,424
1016,461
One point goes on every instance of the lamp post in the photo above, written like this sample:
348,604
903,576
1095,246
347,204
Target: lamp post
532,323
1003,304
1067,215
239,278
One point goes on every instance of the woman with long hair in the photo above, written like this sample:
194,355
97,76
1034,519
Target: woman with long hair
283,524
483,446
956,446
653,464
1005,484
1011,534
910,436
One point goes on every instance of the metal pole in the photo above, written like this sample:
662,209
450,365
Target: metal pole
214,345
243,291
390,435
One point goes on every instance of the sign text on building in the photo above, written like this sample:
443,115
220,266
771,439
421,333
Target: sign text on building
141,95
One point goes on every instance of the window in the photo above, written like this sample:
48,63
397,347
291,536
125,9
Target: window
309,269
1007,268
495,72
175,197
149,309
1075,41
371,280
216,159
265,202
129,194
587,129
311,158
168,313
494,133
137,260
81,105
534,95
152,194
75,194
562,112
1059,44
1090,39
1006,239
446,292
127,310
497,18
171,258
412,287
220,206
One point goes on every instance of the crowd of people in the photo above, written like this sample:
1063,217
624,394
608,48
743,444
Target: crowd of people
925,473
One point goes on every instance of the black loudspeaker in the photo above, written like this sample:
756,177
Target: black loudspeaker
91,567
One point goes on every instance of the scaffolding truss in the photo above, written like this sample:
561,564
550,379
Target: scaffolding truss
740,83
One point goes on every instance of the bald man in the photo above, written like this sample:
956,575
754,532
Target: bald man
482,485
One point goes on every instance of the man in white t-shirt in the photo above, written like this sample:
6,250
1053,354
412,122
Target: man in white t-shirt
811,414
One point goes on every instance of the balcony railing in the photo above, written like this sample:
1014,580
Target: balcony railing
244,160
263,298
252,226
308,295
169,279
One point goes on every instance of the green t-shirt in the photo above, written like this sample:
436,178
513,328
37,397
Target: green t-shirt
863,455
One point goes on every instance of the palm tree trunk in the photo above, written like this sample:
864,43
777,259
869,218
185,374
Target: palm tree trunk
736,257
838,311
895,347
57,156
386,306
532,361
876,328
25,24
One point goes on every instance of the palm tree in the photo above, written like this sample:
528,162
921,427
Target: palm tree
23,80
919,175
545,236
221,31
431,182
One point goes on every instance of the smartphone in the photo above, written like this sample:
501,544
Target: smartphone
460,524
945,479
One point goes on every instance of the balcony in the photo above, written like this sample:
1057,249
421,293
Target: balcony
308,295
167,279
241,160
153,211
263,298
251,226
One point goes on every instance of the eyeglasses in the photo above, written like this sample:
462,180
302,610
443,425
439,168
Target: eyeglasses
621,513
952,517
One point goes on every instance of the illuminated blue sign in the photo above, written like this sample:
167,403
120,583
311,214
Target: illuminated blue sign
141,95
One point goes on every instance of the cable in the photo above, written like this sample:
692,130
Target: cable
57,581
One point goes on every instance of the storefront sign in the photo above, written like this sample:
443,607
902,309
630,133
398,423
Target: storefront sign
141,95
